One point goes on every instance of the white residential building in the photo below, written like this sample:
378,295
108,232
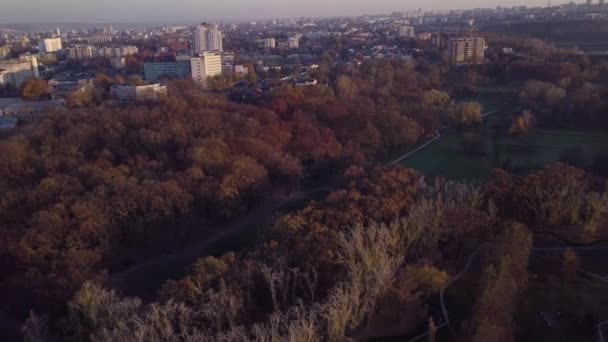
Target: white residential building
207,38
50,45
241,69
81,52
270,43
118,62
208,65
407,32
98,39
15,72
33,60
467,49
127,93
117,51
293,42
228,57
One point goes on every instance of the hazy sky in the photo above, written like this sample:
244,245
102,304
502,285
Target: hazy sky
19,11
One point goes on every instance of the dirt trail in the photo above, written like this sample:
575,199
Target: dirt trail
145,278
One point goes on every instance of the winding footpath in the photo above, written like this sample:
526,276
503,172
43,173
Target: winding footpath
436,137
139,279
131,280
452,281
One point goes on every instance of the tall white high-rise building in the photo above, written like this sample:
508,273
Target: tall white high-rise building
270,43
467,49
208,65
407,31
207,38
50,45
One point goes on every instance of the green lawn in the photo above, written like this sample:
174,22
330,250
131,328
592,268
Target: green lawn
447,157
575,306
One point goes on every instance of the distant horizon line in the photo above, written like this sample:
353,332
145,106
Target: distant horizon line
248,19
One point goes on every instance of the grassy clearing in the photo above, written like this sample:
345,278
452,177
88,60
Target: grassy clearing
258,232
572,307
449,157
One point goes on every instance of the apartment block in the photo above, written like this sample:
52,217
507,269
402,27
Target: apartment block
49,45
207,38
407,32
205,66
293,42
270,43
467,50
15,72
143,93
81,52
117,51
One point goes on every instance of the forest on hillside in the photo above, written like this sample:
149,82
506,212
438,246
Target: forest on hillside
93,190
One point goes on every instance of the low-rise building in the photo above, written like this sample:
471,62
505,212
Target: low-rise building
7,122
5,51
21,43
143,93
305,82
64,85
227,69
172,70
81,52
241,70
117,51
28,110
15,72
228,57
98,39
118,63
47,58
424,36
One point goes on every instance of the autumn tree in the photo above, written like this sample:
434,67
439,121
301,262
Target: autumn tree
503,283
437,100
251,75
466,113
35,90
134,80
346,87
522,123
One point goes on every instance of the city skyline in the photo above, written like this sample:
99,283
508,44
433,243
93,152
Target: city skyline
190,11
